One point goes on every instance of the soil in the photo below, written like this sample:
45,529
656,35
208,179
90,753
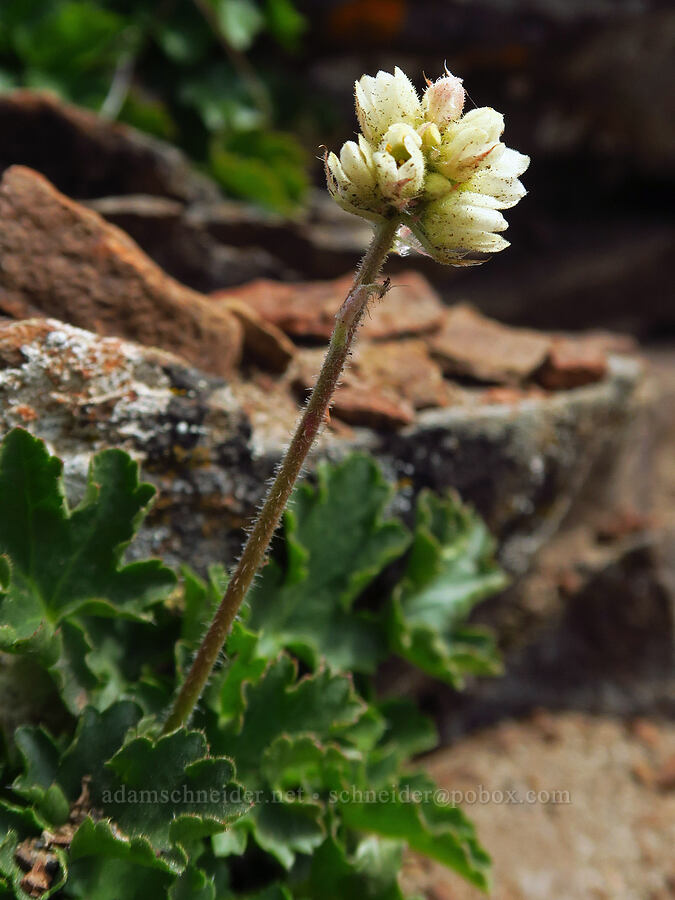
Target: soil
598,825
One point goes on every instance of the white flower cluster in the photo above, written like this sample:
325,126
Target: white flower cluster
444,174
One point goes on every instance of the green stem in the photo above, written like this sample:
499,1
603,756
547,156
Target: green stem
347,321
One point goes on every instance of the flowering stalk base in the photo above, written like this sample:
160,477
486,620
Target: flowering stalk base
347,322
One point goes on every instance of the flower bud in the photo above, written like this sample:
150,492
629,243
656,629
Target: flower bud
500,179
385,100
352,179
436,186
468,142
443,101
357,164
459,224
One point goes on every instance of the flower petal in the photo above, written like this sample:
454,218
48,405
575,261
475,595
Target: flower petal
504,192
384,100
487,119
356,168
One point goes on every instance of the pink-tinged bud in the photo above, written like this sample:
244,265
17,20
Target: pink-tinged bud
443,100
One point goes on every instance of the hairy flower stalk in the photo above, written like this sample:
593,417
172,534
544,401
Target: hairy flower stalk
347,322
428,177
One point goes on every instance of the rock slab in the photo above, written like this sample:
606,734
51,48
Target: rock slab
306,310
209,444
58,258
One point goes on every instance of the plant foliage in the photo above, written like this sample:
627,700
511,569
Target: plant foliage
176,70
289,784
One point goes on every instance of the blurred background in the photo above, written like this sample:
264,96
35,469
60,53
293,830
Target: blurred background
220,181
251,89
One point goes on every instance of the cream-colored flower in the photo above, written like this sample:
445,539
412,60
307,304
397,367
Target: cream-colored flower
352,179
399,164
444,175
476,175
461,223
499,178
443,100
460,219
383,101
468,142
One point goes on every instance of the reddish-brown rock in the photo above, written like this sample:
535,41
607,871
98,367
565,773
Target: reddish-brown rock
360,399
307,310
383,385
264,343
471,345
357,405
665,775
403,366
59,259
573,362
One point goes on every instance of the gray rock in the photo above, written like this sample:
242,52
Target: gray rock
607,646
521,463
82,393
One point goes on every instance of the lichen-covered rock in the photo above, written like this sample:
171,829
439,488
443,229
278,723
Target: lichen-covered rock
82,393
209,445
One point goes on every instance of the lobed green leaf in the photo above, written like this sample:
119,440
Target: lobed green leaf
411,811
450,569
337,542
64,562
